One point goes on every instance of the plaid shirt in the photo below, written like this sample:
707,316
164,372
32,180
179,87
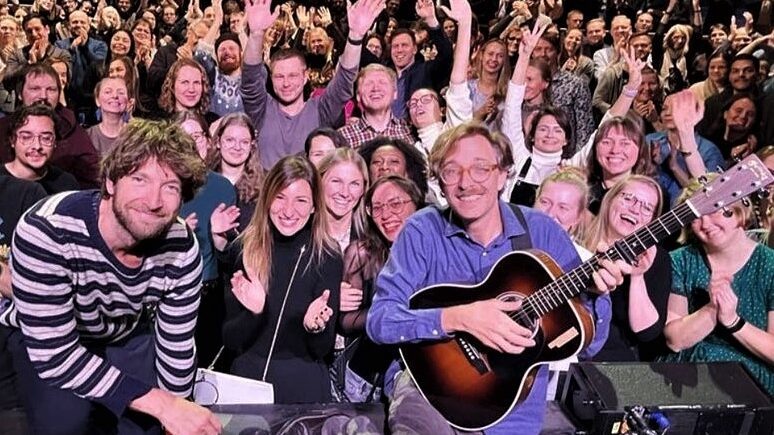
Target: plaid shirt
361,132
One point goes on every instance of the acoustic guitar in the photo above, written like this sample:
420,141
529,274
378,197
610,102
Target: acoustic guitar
474,386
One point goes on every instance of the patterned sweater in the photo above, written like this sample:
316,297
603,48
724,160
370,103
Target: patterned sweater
71,294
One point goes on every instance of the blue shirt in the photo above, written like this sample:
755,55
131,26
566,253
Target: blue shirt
431,250
708,151
216,190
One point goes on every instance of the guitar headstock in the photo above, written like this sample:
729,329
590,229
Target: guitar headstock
737,182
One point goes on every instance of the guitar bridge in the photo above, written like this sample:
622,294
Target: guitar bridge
473,356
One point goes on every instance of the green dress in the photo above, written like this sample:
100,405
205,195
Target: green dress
754,287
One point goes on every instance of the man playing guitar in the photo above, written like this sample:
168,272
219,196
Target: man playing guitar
461,245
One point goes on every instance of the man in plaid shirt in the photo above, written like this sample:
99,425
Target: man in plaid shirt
376,91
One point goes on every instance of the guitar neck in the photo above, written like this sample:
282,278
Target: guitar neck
627,249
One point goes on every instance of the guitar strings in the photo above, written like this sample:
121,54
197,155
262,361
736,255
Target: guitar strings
562,289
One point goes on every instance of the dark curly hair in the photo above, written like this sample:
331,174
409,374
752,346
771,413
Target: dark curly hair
416,166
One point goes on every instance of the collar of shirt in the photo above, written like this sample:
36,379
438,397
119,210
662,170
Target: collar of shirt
393,122
511,225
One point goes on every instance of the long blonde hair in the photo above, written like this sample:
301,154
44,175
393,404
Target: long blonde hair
348,155
600,227
257,238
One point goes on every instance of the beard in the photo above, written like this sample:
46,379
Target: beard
229,66
137,231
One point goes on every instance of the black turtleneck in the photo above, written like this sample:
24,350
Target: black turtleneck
297,369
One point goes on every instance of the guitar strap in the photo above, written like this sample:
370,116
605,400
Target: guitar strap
522,241
518,243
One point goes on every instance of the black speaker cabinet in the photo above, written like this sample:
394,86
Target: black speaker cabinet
697,399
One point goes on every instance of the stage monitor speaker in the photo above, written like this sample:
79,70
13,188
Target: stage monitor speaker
702,398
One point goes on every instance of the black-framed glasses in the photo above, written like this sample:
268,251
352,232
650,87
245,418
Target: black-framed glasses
394,206
44,139
480,172
629,199
424,99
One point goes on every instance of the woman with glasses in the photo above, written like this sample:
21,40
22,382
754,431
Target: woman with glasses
234,155
721,307
282,302
639,304
389,202
345,178
217,193
385,156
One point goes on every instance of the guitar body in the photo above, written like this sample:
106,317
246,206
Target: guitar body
473,386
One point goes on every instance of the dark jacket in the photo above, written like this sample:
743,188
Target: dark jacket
74,152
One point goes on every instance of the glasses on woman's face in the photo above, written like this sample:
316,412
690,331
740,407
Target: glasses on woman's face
630,200
394,206
480,172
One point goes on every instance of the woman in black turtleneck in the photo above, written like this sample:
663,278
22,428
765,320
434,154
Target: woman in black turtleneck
285,253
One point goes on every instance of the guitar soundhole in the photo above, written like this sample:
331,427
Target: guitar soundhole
521,317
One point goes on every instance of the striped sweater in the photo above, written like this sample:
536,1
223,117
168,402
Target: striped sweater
72,294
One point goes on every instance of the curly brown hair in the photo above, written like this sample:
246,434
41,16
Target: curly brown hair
164,141
167,98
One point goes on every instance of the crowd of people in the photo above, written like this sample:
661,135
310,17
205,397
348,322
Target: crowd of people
262,186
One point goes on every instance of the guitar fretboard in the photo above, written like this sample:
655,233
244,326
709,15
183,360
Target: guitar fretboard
577,280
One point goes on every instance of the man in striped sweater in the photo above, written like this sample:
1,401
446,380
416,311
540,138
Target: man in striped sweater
86,267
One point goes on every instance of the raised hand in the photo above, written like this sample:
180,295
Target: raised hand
687,110
351,298
634,66
459,11
224,219
251,294
748,21
529,39
426,11
325,16
217,9
361,15
304,20
318,314
259,15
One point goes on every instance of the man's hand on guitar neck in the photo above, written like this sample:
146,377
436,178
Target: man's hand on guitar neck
489,322
610,274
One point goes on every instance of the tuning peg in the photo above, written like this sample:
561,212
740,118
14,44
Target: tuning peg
762,193
746,202
727,213
703,180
